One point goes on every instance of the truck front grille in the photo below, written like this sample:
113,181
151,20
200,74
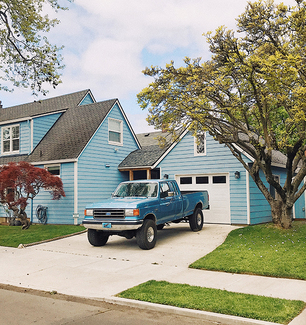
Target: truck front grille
108,214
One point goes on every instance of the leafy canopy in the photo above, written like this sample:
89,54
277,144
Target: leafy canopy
250,95
27,59
21,181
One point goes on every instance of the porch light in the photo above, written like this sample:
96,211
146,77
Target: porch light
237,174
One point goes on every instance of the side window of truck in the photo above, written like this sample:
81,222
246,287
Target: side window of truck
174,189
164,189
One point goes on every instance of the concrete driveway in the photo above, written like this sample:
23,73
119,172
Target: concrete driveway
72,266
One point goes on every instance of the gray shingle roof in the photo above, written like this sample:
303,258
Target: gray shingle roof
145,157
71,132
42,106
150,152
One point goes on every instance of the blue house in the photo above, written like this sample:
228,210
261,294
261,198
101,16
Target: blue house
93,147
207,165
75,138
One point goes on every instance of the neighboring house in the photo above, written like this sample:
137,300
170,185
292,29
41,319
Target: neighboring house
208,165
74,137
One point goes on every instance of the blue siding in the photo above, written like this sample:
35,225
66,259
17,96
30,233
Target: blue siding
259,207
41,125
260,210
59,211
96,181
219,159
87,100
25,137
299,207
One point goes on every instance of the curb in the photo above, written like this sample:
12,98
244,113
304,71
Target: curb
209,316
51,239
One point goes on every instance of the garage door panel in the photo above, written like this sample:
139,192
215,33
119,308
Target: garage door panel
219,197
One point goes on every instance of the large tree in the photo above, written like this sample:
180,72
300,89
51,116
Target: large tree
22,181
27,59
249,96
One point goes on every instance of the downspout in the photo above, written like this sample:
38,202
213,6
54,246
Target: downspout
75,199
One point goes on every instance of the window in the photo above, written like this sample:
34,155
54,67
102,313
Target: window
164,190
200,144
10,139
54,169
219,179
273,193
202,180
115,132
185,180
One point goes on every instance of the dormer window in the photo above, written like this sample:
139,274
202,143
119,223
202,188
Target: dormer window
115,132
200,144
10,139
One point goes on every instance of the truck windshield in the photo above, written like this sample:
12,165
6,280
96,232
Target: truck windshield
136,189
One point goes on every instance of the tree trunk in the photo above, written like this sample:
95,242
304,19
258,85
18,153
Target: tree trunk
281,214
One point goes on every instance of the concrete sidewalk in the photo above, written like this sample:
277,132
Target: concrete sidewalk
72,266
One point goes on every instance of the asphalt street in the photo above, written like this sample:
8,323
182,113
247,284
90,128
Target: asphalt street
20,307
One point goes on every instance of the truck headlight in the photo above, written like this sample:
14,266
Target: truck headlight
131,212
88,212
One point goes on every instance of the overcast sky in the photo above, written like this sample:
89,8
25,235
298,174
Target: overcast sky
109,42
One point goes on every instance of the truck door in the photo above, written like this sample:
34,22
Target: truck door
166,203
177,200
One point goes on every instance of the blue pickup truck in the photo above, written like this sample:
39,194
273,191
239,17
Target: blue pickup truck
140,208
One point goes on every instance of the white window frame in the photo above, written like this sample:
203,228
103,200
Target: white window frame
10,127
121,132
196,153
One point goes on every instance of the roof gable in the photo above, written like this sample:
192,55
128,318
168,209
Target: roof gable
41,107
72,131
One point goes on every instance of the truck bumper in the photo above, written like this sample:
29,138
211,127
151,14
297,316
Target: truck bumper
111,226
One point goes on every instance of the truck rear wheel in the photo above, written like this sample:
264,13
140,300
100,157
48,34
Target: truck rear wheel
146,235
196,220
97,238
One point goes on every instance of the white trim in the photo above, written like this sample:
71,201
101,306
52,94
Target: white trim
32,135
53,162
75,199
247,174
127,122
114,143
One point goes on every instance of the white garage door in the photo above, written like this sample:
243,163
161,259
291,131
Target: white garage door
217,186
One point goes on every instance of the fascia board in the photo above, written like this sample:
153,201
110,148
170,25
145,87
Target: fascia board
127,122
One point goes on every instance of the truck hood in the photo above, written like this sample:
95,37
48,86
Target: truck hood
122,203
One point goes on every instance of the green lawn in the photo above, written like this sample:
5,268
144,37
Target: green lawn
261,249
219,301
12,236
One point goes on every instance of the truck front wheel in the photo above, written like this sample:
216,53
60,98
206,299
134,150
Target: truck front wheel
97,238
196,220
146,234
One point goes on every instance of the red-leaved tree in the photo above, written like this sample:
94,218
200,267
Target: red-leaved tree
22,181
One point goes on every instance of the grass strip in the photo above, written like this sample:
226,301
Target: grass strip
261,249
12,236
218,301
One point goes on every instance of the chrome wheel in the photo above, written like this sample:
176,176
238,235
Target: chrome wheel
150,234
